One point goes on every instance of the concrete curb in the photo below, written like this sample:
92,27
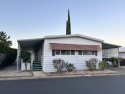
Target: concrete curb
52,77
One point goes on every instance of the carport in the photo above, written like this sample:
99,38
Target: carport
110,50
32,45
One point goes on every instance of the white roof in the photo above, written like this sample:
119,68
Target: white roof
73,35
62,36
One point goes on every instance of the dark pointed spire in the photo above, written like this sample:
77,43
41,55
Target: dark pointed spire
68,25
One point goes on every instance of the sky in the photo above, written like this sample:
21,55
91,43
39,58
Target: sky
25,19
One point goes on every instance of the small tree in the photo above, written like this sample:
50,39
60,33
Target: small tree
25,55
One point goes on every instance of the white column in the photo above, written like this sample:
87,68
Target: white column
18,57
118,59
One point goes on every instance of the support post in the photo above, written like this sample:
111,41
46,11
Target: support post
118,59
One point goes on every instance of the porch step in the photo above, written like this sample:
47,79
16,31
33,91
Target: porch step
36,66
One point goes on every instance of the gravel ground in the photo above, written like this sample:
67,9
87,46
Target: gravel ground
12,72
83,72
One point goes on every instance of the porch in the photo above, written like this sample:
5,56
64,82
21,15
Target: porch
35,47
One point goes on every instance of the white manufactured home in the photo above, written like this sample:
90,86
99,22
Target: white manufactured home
75,49
122,52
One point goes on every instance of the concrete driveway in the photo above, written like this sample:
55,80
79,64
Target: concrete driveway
120,70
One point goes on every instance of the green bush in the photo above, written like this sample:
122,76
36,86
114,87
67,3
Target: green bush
102,65
114,61
91,64
25,55
69,67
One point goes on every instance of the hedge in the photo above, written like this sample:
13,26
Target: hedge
10,55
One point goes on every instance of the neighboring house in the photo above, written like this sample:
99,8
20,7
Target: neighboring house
122,52
75,49
122,55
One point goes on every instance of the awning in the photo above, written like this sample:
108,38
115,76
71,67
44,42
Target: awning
30,43
58,46
109,46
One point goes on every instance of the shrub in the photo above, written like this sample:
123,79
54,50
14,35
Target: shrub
25,55
102,65
91,64
114,61
59,64
69,67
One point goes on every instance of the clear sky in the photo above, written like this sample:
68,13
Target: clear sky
24,19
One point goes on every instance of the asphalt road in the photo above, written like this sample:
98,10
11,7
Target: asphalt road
82,85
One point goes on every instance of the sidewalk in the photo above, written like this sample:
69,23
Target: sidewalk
10,73
40,74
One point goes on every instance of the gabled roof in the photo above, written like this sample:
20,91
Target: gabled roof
73,35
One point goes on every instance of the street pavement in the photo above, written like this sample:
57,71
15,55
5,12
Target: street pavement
78,85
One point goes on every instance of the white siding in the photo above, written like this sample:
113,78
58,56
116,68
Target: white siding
78,61
110,52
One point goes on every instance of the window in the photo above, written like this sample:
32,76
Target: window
72,52
95,53
57,52
53,52
79,52
65,52
89,52
85,52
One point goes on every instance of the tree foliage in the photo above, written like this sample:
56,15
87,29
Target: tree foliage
68,25
5,50
10,55
25,55
5,39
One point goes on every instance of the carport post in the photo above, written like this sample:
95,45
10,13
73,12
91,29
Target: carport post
18,57
118,59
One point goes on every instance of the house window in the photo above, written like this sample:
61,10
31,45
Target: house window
95,53
57,52
65,52
72,52
79,52
85,53
53,52
89,52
